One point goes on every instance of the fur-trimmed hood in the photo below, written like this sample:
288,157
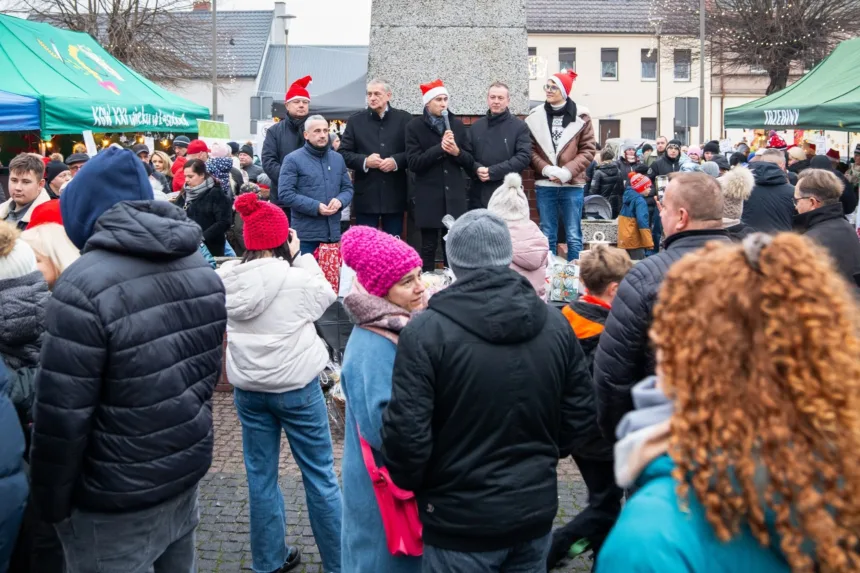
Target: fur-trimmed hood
737,186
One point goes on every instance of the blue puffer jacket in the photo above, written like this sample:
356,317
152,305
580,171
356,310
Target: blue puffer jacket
309,177
13,481
654,535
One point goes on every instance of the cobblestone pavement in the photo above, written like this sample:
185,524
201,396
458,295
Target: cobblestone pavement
223,542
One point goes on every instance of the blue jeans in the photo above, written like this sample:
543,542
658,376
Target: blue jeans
568,200
656,233
526,557
304,418
159,539
308,247
392,223
228,250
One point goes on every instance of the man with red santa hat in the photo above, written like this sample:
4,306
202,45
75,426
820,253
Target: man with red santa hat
288,134
563,146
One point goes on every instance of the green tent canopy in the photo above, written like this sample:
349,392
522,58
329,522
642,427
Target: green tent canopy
80,86
828,97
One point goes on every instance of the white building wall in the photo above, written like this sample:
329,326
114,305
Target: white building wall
630,98
234,101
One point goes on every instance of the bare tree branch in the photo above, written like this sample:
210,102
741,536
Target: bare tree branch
774,35
156,38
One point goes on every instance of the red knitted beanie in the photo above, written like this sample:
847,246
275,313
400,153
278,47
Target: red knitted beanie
266,226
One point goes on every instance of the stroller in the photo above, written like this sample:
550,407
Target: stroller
597,207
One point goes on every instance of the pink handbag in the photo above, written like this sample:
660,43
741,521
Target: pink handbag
398,508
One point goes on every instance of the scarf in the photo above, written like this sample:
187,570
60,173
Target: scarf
436,124
375,314
643,433
297,126
192,193
497,118
318,151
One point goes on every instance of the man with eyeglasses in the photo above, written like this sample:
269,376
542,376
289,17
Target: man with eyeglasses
820,217
75,161
288,134
563,145
374,147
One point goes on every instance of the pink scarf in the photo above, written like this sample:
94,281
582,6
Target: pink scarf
375,314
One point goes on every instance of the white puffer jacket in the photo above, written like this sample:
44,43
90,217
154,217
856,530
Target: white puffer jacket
272,344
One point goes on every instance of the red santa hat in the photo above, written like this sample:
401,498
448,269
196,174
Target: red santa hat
833,154
564,80
433,90
776,142
299,89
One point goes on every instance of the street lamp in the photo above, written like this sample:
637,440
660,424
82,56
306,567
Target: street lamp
657,23
287,18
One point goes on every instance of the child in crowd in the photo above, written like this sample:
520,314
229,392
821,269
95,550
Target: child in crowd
634,232
600,271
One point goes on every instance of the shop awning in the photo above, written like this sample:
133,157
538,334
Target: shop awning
18,113
828,97
79,86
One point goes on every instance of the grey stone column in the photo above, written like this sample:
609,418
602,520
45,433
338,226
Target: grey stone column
469,44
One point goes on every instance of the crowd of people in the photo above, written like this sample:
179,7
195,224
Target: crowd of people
715,383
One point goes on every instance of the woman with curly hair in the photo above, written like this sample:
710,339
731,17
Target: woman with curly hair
743,449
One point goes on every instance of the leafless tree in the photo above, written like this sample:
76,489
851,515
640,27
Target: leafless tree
773,35
156,38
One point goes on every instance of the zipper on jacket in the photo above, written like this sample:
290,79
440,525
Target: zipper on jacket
507,149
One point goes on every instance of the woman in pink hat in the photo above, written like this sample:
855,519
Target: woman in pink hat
387,290
274,358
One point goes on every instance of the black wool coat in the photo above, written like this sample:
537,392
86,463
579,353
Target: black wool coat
281,139
828,227
377,192
213,211
503,144
123,412
440,183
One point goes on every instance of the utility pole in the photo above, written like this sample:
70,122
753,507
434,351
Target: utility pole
214,60
657,22
702,71
287,18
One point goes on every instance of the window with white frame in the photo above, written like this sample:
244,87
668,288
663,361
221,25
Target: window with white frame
649,64
567,59
648,128
609,63
683,64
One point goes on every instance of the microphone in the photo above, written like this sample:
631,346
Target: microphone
445,117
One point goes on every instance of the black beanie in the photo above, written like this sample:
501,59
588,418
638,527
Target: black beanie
711,146
54,168
234,147
247,149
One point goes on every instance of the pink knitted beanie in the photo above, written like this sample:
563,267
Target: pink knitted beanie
378,259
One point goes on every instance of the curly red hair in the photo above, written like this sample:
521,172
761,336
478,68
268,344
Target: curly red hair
763,365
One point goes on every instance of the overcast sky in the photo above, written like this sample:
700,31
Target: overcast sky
345,22
327,22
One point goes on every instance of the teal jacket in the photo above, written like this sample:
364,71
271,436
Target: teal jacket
654,535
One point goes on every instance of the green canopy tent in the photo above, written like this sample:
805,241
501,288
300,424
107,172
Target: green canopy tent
80,86
828,97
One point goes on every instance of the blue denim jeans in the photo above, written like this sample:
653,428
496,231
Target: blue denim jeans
568,201
159,539
526,557
303,416
308,247
228,249
392,223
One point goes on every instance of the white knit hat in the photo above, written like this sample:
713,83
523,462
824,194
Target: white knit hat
509,201
16,257
737,187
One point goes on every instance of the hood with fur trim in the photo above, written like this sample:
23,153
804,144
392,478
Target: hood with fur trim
737,187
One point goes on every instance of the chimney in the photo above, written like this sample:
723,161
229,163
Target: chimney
276,35
202,6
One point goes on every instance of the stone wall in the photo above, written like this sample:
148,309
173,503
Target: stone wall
469,44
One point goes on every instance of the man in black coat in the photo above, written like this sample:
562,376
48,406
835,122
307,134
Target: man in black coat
691,213
770,208
122,428
374,147
820,218
437,154
288,134
490,388
246,162
501,144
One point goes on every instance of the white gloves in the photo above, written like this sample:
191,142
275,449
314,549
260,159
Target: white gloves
563,174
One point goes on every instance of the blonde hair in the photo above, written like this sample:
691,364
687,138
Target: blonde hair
50,241
757,347
165,159
79,148
603,266
57,157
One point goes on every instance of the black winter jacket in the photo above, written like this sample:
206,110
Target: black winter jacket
22,328
377,192
848,199
440,184
123,412
828,227
501,143
663,166
281,139
770,208
607,182
624,355
213,211
490,388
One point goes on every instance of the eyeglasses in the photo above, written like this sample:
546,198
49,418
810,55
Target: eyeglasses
797,200
550,88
